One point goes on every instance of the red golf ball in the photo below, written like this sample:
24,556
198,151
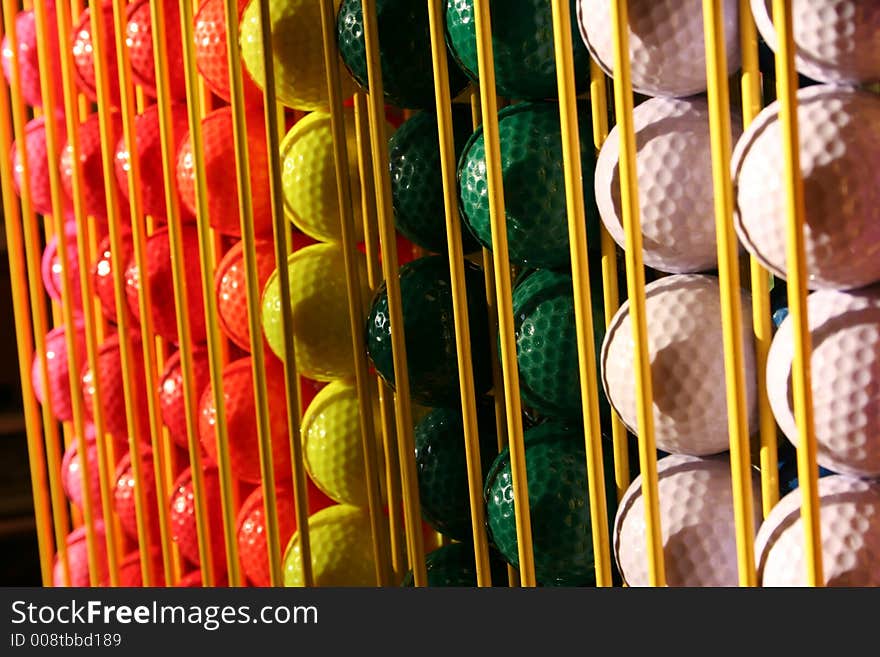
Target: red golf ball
28,64
220,175
102,275
139,36
58,366
124,494
71,472
171,386
83,55
78,558
38,166
149,148
52,270
130,574
183,518
160,282
241,419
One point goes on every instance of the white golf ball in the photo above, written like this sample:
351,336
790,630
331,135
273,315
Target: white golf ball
676,194
835,40
845,330
696,521
839,158
687,364
667,51
849,519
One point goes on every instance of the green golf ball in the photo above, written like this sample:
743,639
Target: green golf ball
416,182
522,41
559,503
442,467
546,341
426,294
404,51
534,184
454,565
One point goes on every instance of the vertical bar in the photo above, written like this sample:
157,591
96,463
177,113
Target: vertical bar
388,241
796,268
728,274
89,323
181,304
38,298
580,269
216,342
242,167
24,343
47,90
386,394
501,265
610,293
760,278
459,292
281,229
635,278
356,314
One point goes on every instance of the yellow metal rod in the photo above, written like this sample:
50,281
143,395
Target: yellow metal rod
610,292
760,278
242,166
217,353
796,268
731,305
105,464
397,532
281,232
37,295
635,277
583,303
24,344
47,89
459,292
181,301
501,264
388,241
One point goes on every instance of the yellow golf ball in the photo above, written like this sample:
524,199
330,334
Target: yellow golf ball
298,52
308,177
342,549
333,443
319,307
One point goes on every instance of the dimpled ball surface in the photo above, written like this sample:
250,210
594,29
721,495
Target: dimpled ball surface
58,366
319,305
209,33
139,37
72,474
546,341
149,148
218,137
687,364
404,51
534,185
125,492
666,43
299,63
839,151
84,73
430,333
27,57
52,272
674,159
522,39
441,464
559,504
849,520
835,40
416,183
333,443
102,275
78,558
94,197
172,404
342,549
845,361
454,565
182,517
308,177
38,166
696,520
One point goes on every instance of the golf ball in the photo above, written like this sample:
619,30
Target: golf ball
39,167
839,131
172,404
52,272
58,365
78,557
182,517
696,520
139,38
676,192
125,493
845,362
849,520
102,275
666,43
72,475
84,72
27,57
685,349
454,565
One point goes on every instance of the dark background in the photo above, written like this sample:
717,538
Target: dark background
19,557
